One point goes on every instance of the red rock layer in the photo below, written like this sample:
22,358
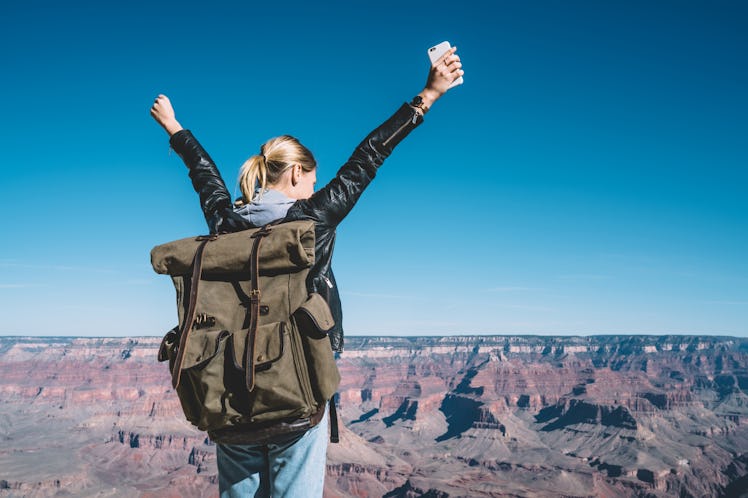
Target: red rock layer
440,416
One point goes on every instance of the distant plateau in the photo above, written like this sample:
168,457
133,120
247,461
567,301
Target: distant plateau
463,416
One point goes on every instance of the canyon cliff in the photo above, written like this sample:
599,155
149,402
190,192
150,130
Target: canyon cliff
466,416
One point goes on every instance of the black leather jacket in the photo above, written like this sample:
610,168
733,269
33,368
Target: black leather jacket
327,207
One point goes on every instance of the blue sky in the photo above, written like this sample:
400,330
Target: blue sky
588,178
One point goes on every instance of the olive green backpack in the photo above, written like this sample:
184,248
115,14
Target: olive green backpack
250,358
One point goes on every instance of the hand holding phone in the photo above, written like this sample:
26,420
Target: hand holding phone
436,52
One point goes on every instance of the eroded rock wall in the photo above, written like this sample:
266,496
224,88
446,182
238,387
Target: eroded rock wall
425,416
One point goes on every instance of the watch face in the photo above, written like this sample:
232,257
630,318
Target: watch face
417,100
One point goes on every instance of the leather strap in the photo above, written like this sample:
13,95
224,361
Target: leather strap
189,319
254,308
334,431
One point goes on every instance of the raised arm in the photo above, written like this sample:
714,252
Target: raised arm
214,196
334,201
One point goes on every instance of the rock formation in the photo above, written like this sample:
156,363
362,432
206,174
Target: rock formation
427,416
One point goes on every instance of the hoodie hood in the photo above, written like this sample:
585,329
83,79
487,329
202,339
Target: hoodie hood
272,205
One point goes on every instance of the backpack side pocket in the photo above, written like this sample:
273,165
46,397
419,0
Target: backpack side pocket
168,348
314,320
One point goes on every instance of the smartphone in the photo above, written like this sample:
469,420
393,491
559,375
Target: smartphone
437,51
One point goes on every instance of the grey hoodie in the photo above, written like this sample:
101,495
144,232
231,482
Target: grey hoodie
271,205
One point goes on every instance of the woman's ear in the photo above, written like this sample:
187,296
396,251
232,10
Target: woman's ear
295,174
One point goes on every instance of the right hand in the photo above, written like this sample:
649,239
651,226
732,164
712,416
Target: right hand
163,112
443,72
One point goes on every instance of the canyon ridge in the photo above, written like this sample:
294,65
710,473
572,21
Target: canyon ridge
464,416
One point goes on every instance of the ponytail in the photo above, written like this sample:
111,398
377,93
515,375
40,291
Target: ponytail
263,170
253,174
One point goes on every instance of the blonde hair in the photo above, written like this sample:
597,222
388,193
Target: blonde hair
265,169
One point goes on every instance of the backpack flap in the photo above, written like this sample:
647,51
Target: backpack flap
203,348
314,317
288,247
270,345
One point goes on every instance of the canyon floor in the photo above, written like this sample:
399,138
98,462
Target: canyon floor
467,416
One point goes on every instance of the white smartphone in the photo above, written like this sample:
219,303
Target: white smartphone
437,51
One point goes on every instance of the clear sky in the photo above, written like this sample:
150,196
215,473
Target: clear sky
589,177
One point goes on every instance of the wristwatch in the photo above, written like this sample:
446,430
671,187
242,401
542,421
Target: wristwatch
418,103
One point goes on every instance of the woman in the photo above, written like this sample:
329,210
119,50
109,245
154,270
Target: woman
278,183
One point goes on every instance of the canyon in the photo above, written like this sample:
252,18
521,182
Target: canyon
460,416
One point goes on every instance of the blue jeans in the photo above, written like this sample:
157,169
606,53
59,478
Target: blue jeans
290,468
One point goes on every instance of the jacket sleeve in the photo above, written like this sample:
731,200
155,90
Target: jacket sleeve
335,200
215,199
